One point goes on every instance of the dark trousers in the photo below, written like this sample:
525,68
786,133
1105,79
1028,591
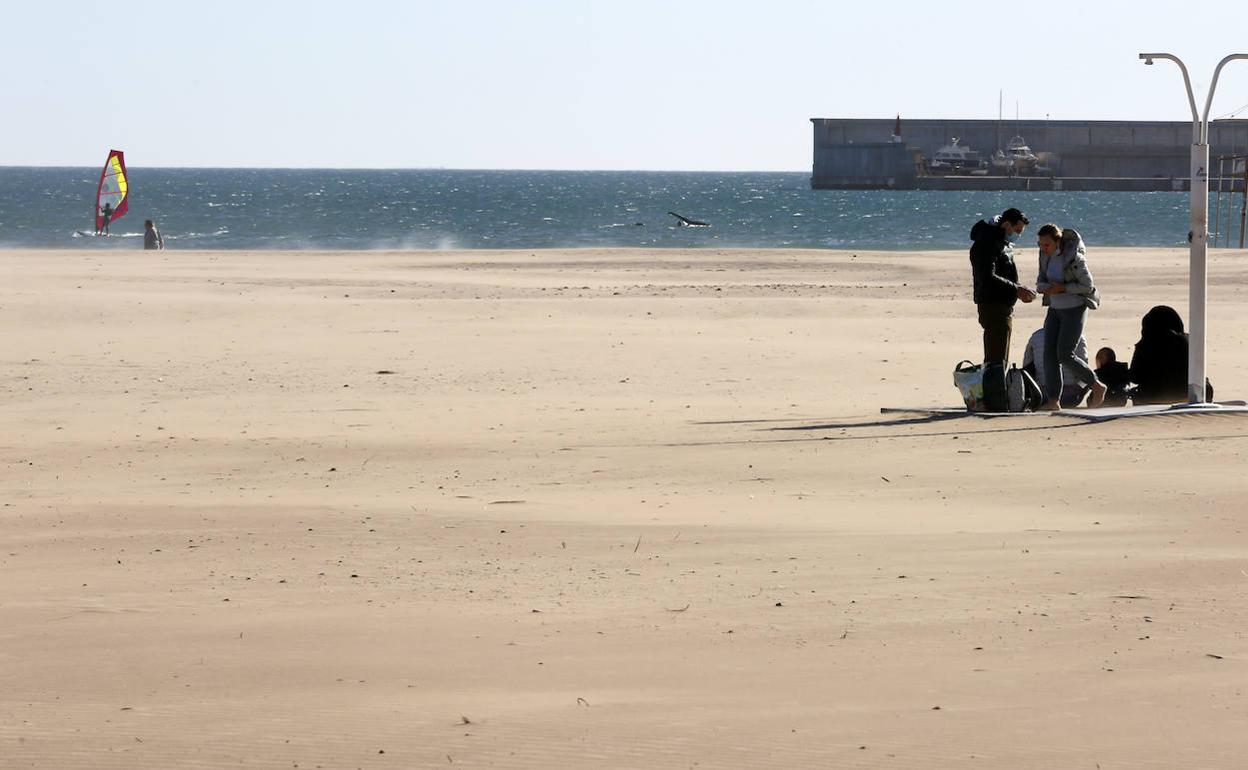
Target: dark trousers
997,321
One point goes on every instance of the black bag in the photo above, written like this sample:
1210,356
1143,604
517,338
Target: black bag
996,399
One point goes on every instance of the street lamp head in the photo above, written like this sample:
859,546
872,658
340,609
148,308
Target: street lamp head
1148,62
1148,57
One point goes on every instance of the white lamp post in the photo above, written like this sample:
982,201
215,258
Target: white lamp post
1198,280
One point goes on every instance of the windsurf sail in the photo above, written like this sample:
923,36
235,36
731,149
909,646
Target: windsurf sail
114,189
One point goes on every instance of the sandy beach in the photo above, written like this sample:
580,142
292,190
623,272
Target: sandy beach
600,509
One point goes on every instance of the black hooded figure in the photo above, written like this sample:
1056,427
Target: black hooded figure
1159,366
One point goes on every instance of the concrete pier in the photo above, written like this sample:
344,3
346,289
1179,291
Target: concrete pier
1082,155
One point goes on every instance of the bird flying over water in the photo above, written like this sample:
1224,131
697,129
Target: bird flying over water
686,222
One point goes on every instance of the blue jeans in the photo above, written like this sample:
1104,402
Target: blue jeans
1062,330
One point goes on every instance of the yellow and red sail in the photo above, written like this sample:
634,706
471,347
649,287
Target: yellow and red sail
114,188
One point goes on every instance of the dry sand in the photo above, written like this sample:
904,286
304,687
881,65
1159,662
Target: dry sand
611,509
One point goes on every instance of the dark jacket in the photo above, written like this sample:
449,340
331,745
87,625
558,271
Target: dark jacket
992,265
1159,365
1116,377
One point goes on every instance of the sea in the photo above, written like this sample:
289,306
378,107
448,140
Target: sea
52,208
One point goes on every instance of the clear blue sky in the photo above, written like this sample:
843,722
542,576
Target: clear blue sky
634,84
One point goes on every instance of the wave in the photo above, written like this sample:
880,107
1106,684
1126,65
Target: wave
84,234
194,236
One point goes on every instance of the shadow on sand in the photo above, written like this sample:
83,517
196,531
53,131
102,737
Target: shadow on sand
965,420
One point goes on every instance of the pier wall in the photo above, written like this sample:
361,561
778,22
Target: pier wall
1109,155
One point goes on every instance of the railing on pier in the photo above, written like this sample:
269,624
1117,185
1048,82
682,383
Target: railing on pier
1232,182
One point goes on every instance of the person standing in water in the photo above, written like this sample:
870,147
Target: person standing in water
152,239
106,216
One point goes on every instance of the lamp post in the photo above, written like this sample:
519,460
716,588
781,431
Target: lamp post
1198,281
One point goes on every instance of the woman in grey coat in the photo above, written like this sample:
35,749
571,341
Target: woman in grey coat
1066,284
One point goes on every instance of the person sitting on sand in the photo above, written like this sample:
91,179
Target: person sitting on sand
1066,283
1159,365
1116,375
152,239
1073,388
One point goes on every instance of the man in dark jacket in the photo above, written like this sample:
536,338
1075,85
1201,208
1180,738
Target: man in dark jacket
996,280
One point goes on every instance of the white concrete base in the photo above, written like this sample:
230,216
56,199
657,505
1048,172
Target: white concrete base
1092,415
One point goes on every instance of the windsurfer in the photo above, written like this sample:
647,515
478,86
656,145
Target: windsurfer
151,236
106,216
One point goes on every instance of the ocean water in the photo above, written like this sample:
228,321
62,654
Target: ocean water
440,209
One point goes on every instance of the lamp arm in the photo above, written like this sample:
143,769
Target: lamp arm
1187,83
1204,121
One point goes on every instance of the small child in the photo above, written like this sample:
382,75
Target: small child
1116,376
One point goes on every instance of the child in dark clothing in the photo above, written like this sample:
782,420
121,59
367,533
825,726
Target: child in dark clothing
1116,376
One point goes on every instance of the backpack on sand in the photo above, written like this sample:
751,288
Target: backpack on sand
989,388
1022,392
996,396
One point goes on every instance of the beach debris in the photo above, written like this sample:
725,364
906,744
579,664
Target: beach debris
779,604
1214,656
384,371
638,545
506,502
678,609
463,720
1128,596
935,708
886,479
582,702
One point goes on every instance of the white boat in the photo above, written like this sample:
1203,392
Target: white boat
1016,158
954,157
1019,151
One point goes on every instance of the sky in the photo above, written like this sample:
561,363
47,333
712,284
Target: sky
555,84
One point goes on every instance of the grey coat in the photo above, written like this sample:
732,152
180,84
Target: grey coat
1077,277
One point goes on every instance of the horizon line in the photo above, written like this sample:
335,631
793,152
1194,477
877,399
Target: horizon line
417,168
